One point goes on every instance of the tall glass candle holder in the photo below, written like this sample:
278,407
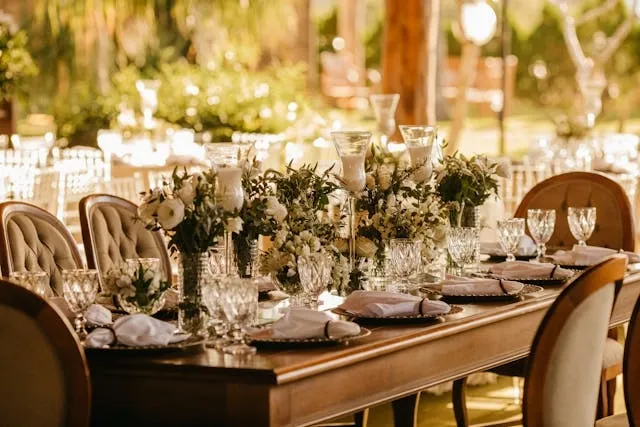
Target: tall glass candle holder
384,108
352,148
419,141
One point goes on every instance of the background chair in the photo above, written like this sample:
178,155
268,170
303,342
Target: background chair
44,378
33,239
111,233
561,386
582,189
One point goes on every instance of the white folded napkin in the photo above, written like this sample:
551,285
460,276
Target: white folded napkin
136,330
98,315
529,270
385,304
461,286
589,255
304,323
527,247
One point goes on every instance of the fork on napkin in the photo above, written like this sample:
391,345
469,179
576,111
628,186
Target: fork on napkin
529,270
386,304
134,331
466,286
305,323
589,255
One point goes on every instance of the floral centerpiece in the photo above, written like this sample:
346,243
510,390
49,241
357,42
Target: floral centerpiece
185,207
307,227
394,206
16,64
466,183
139,291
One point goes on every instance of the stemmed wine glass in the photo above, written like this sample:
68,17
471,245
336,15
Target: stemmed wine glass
36,281
462,243
315,272
582,222
405,258
419,141
239,300
541,223
352,148
80,288
384,108
510,233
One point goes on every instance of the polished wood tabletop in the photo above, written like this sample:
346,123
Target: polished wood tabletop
297,387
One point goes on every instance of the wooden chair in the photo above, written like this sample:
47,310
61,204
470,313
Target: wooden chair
614,227
111,233
561,385
33,239
631,369
44,378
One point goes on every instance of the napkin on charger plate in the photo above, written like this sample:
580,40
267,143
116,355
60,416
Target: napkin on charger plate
385,304
589,255
526,247
135,330
463,286
529,270
98,315
305,323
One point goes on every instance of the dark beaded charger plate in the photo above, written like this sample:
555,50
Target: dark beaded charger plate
415,318
190,343
527,290
265,338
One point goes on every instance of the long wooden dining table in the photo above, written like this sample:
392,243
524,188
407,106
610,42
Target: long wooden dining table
306,386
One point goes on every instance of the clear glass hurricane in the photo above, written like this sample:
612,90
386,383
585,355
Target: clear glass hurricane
239,300
352,148
510,233
419,141
582,222
405,259
462,243
314,271
541,223
79,288
384,108
36,281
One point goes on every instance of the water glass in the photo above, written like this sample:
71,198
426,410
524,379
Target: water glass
582,222
36,281
541,223
218,325
462,243
406,259
80,288
315,272
239,300
419,141
510,233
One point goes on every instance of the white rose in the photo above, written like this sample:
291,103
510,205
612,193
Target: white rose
149,206
365,247
170,213
234,225
384,179
187,193
503,168
275,209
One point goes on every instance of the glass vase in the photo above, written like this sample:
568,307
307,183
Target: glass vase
134,307
247,257
193,274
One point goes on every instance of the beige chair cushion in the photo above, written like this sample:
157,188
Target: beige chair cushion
37,245
617,420
573,375
613,353
118,236
32,383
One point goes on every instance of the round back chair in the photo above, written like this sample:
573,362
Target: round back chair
44,378
614,218
563,375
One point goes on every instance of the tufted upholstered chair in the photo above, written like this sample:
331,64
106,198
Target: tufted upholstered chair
111,233
614,223
32,239
563,373
44,378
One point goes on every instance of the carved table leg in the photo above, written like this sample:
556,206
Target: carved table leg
459,400
405,411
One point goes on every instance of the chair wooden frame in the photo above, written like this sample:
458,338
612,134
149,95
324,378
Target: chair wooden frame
628,235
91,202
631,368
595,278
66,344
9,209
